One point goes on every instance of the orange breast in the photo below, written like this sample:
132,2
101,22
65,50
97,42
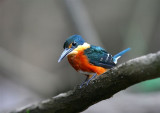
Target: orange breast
80,63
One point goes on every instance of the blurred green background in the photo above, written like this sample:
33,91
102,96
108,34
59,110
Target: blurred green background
32,33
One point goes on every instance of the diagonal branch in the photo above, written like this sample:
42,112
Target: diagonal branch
117,79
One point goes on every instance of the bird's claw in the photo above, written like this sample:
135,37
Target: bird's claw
85,83
88,80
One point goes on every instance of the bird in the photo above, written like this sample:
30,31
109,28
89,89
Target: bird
88,59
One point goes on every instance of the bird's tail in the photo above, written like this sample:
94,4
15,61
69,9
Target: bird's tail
117,56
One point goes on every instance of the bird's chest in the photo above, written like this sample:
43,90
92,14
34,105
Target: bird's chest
79,61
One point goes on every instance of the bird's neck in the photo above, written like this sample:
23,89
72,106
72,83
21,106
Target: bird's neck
80,48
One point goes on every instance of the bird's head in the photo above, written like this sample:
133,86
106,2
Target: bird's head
70,44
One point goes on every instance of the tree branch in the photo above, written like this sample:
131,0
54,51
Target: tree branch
105,86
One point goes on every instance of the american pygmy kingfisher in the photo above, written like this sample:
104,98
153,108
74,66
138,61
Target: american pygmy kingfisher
88,59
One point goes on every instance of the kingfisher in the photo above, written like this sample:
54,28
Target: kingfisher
88,59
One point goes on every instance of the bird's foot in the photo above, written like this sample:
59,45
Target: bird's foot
82,84
88,80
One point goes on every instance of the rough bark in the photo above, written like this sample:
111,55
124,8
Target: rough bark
103,87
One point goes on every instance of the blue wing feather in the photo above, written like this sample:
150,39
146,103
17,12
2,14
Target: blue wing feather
117,56
99,57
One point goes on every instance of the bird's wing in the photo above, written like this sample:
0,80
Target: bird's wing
99,57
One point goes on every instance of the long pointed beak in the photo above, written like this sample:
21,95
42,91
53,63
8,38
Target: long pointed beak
65,53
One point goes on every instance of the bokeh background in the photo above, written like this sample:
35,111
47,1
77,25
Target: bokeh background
32,33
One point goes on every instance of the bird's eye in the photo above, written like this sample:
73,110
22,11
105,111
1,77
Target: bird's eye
74,44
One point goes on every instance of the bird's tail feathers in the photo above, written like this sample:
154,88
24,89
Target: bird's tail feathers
117,56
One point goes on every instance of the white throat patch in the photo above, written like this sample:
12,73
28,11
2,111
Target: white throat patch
80,47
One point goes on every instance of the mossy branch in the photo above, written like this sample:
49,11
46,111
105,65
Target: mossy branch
105,86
